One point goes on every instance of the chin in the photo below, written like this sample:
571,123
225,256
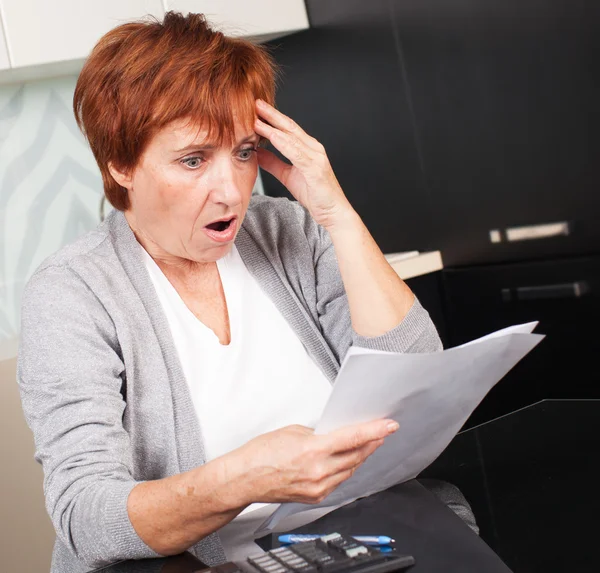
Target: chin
213,254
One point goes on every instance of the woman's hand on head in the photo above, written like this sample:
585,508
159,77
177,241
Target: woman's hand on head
309,178
293,464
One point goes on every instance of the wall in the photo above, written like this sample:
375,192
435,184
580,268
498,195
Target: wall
50,190
26,534
50,186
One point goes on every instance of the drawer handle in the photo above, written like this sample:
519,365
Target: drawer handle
565,290
528,232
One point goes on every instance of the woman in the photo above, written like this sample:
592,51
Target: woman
174,360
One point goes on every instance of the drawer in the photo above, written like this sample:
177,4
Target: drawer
563,295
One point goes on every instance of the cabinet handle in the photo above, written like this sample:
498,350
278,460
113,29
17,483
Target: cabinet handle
565,290
528,232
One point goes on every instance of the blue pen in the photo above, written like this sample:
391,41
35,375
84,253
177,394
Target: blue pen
366,539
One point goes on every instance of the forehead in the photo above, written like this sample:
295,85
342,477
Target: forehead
183,132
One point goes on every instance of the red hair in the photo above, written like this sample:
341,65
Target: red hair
141,76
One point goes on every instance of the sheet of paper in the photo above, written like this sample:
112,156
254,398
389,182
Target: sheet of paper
429,395
526,328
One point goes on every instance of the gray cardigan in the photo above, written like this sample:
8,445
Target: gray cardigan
102,387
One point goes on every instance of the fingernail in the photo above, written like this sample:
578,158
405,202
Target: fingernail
392,427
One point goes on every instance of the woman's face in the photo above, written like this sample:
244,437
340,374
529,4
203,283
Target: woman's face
189,196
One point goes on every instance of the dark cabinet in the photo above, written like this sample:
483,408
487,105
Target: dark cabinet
429,290
342,82
505,99
451,123
563,295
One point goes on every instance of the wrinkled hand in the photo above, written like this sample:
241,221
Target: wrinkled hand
295,465
309,178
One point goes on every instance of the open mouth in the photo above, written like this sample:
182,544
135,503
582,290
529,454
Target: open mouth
222,231
220,226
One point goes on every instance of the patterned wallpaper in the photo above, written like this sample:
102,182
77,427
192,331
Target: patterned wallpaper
50,188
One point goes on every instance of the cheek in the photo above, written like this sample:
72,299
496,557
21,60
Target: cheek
178,190
249,179
153,187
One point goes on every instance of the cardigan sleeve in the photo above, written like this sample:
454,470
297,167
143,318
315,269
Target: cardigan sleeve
70,376
415,333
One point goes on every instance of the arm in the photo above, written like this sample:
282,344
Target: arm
70,376
378,298
290,464
174,513
415,332
352,274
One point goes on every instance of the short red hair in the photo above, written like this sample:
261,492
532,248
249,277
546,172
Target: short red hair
141,76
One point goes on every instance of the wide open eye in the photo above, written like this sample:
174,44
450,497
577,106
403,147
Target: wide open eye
246,153
193,162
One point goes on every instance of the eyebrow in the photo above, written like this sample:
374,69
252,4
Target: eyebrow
208,146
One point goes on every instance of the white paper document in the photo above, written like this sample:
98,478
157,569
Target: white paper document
429,395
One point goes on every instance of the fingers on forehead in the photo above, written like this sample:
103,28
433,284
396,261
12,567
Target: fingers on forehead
278,119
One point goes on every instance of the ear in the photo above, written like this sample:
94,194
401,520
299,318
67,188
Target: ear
124,179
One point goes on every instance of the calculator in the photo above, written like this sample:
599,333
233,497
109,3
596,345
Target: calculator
328,554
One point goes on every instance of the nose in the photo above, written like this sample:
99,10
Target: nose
226,186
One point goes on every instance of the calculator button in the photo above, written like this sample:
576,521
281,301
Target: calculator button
293,561
307,552
343,544
322,557
267,564
353,552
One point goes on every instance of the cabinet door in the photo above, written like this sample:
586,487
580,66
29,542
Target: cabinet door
563,295
428,289
342,82
259,18
42,31
506,98
4,60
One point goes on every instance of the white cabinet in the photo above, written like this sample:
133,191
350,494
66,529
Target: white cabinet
263,19
4,61
48,31
47,38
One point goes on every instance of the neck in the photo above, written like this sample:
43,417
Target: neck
172,265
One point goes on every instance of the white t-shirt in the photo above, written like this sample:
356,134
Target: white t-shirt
263,380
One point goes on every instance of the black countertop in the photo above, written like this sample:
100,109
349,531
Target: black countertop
530,477
421,525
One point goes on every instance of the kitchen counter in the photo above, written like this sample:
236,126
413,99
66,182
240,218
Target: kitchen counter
413,263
